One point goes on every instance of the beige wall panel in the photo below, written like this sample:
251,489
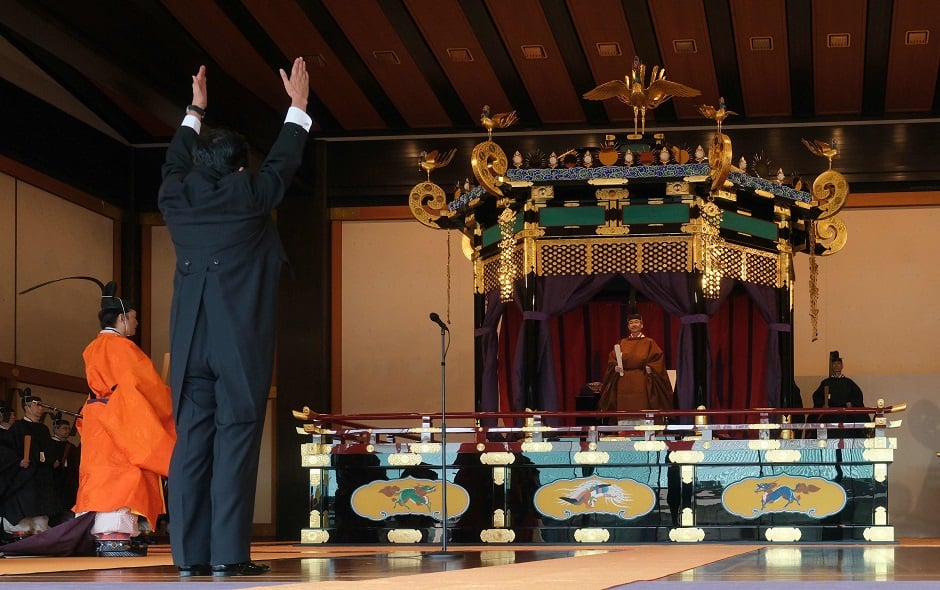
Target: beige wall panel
877,296
394,275
56,238
7,267
877,307
264,488
163,259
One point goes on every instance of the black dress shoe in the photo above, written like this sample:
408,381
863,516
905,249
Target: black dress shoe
245,568
202,569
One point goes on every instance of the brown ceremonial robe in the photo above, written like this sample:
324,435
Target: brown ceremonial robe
636,389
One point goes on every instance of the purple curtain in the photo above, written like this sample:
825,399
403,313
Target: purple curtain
489,347
674,292
556,295
767,302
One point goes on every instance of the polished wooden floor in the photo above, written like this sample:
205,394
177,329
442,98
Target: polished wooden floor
913,560
805,563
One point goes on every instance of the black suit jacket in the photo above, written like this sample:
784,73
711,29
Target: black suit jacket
229,259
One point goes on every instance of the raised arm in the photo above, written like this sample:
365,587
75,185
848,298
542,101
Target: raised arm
297,85
200,99
282,161
179,154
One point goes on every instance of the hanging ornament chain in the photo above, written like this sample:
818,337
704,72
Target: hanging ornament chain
712,242
448,276
813,283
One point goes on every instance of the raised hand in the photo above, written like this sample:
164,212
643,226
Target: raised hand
297,85
199,88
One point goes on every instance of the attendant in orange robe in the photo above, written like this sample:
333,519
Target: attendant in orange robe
127,429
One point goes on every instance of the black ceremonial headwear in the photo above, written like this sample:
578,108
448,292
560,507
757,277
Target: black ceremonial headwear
834,357
27,397
109,301
634,312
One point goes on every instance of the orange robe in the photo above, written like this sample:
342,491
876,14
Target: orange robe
127,431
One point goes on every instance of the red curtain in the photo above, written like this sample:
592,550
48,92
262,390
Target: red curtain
584,337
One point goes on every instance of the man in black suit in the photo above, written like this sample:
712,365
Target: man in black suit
222,324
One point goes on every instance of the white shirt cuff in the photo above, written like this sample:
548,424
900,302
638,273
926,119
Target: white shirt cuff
194,122
298,116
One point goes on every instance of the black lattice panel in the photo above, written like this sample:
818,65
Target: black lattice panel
729,260
490,274
517,262
563,259
665,256
761,268
613,257
746,265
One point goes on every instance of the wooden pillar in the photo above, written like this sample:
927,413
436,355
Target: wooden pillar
303,341
788,396
531,329
699,344
479,313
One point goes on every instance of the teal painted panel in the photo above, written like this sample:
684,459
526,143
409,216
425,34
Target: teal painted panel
491,235
748,225
561,216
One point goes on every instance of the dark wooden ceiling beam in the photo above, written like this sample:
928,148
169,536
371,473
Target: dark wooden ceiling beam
572,54
80,87
271,53
800,41
877,48
400,18
479,18
45,26
136,66
640,22
321,19
721,36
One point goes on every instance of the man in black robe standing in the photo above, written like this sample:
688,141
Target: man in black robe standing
222,322
30,497
838,391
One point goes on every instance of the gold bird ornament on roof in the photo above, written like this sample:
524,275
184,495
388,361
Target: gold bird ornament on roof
497,121
821,148
433,160
718,115
631,91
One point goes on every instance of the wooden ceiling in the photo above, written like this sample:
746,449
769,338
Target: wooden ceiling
405,68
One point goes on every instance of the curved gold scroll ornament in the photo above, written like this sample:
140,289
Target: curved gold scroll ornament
719,158
428,203
831,235
489,164
830,190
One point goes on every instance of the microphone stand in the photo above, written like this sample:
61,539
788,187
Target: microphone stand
443,553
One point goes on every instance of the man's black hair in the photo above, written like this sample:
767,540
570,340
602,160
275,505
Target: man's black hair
221,150
108,317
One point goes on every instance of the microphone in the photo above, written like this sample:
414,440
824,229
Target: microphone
437,320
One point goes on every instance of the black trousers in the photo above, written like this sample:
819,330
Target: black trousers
214,467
